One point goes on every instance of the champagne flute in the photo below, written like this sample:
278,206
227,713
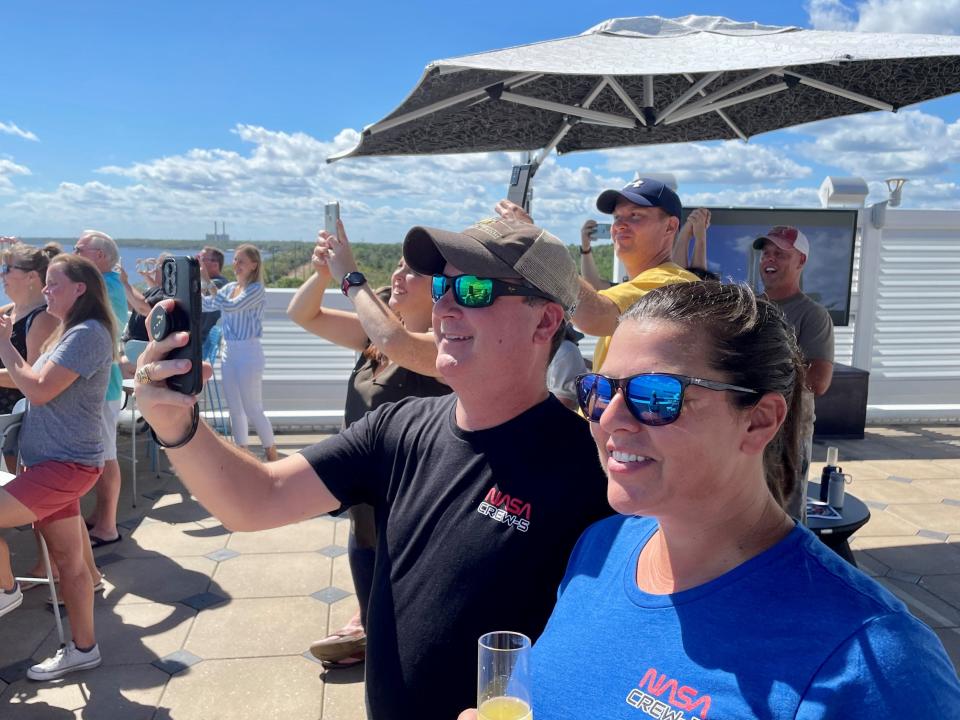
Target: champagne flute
503,676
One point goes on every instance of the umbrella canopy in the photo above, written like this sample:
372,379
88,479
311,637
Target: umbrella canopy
637,81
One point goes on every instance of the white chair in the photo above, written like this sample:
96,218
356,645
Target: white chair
10,429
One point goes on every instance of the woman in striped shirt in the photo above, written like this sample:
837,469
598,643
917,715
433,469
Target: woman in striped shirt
242,303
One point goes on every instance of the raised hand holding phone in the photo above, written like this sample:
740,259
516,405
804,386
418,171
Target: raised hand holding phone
180,281
331,216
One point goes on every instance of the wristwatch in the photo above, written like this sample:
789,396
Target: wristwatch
352,279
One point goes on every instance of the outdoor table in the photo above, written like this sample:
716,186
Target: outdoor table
836,533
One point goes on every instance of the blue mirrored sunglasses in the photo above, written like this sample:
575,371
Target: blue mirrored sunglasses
652,398
475,292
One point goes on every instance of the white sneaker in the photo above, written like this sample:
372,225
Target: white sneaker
66,660
10,600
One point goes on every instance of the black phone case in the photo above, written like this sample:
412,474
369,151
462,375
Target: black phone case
518,190
187,316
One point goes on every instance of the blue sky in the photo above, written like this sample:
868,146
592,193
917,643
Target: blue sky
152,120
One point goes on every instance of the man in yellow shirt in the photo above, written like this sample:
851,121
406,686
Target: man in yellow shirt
646,217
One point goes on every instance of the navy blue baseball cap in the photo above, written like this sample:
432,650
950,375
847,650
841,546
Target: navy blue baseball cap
645,192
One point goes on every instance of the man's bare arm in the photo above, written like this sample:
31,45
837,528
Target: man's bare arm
819,376
242,492
595,314
588,266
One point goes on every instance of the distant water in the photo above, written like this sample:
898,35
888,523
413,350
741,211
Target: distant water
129,257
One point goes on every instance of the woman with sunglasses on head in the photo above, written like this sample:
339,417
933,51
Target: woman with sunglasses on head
61,447
390,328
705,599
24,272
242,303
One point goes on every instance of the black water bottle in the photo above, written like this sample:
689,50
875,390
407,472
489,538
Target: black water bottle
829,469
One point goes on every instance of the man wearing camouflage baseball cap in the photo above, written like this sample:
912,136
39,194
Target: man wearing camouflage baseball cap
479,496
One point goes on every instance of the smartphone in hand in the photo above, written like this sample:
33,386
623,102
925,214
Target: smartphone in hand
331,214
518,190
180,280
602,231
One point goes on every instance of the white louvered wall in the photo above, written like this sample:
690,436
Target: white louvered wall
908,333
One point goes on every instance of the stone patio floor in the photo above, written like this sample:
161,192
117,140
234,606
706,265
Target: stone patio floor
199,622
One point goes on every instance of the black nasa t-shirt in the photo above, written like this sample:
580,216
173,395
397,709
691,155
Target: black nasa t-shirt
474,533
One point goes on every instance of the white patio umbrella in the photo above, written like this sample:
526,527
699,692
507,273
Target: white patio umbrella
637,81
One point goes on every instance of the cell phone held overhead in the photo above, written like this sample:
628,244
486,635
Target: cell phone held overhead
518,190
180,281
331,214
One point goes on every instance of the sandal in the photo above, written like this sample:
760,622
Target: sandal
346,644
96,542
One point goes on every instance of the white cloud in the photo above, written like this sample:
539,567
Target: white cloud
830,15
275,185
276,190
940,17
730,162
8,169
12,129
757,196
910,143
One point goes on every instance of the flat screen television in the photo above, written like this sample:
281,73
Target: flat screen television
827,275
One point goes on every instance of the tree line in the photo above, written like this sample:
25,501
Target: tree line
290,266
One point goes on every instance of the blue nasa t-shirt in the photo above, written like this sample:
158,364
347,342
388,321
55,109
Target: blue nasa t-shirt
794,632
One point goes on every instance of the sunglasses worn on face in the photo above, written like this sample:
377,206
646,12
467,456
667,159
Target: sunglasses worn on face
652,398
471,291
5,268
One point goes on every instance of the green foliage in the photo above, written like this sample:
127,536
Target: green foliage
285,259
602,256
290,266
377,261
288,263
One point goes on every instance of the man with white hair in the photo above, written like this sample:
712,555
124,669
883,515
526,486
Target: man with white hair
100,249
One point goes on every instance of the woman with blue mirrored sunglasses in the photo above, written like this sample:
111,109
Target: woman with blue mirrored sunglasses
471,291
703,581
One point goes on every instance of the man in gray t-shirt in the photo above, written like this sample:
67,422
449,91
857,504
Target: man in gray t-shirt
68,427
784,252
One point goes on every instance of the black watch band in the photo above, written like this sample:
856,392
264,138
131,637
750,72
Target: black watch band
587,251
352,279
194,424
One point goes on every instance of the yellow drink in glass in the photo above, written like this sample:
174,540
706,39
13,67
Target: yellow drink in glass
505,708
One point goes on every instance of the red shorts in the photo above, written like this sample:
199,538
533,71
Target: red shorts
52,489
